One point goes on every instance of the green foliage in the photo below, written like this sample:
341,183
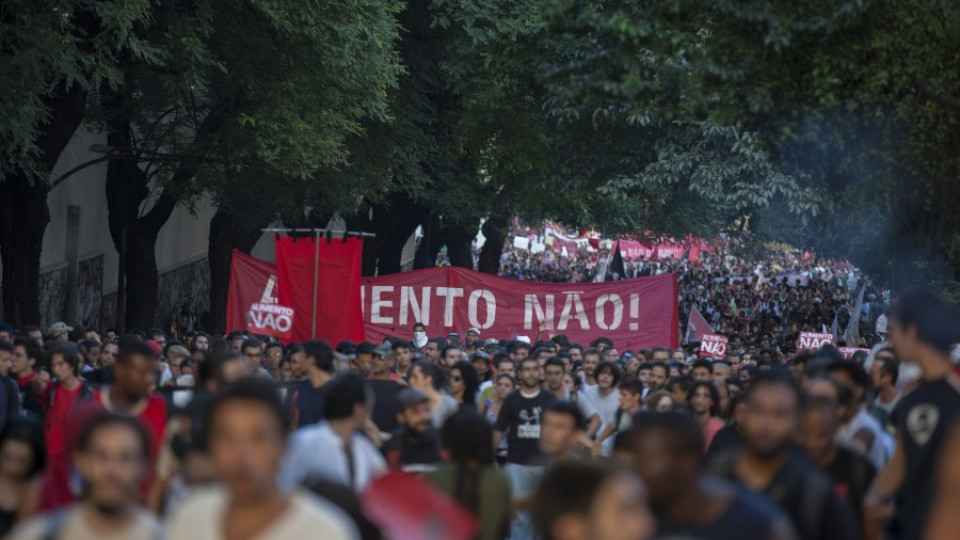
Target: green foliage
55,45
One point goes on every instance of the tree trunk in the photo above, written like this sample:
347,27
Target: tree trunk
392,222
458,239
495,232
430,245
227,232
24,214
23,219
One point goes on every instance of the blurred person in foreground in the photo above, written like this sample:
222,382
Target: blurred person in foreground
471,476
590,501
246,433
111,456
666,449
770,464
923,329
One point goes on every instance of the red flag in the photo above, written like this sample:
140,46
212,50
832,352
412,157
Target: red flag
408,508
697,326
334,296
252,281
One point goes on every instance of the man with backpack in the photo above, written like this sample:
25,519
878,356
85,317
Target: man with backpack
65,365
769,464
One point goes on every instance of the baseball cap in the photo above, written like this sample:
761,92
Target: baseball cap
474,331
347,348
383,351
58,328
366,348
411,397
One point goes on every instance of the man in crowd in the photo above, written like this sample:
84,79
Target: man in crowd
884,372
201,342
473,337
385,389
27,356
666,449
659,376
520,416
586,501
334,449
767,464
860,430
562,431
432,349
306,398
59,331
403,352
414,446
112,457
246,438
923,329
450,356
252,349
591,359
702,370
851,473
273,354
604,399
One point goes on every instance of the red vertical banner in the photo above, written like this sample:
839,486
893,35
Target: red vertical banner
329,308
252,281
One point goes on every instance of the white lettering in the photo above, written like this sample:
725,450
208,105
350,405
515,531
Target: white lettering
491,303
410,305
544,314
377,303
450,293
617,311
573,309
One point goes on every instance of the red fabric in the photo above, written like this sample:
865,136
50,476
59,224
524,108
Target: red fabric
710,431
55,419
251,281
337,290
634,313
697,326
408,508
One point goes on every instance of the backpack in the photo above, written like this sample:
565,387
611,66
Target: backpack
85,393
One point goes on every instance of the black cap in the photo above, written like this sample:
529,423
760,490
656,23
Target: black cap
347,347
366,348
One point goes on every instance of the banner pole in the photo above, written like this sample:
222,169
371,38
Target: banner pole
316,274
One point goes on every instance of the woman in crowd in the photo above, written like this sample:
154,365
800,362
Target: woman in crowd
659,401
470,475
464,383
704,402
428,378
505,384
22,459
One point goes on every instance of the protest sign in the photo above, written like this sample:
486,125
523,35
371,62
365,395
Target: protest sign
714,345
270,320
251,281
814,340
848,352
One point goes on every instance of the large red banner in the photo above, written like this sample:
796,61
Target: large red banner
634,313
335,295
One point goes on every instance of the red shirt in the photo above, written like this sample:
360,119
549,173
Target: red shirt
56,416
57,490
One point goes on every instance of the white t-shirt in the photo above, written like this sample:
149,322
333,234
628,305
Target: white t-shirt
200,517
606,409
74,527
316,452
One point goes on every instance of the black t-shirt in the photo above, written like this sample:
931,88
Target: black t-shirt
522,414
805,494
728,437
307,403
923,418
385,404
852,475
405,448
748,517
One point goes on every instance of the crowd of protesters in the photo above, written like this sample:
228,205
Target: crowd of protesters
197,436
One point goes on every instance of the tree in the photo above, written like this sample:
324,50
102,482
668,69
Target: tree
53,54
252,101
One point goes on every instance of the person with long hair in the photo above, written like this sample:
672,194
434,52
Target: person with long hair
704,402
464,383
471,477
22,459
504,386
428,378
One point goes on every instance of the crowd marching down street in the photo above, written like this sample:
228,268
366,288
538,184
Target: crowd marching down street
800,402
